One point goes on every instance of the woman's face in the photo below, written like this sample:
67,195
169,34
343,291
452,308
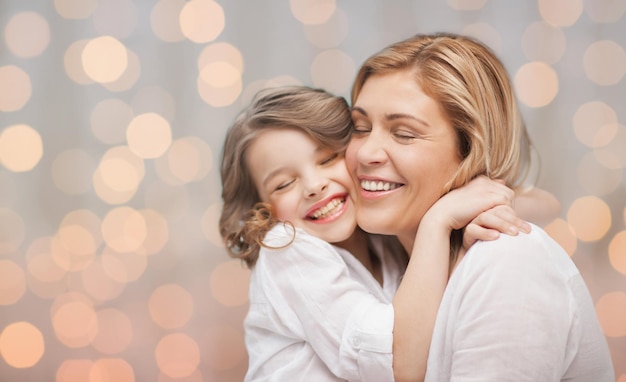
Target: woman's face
402,153
306,184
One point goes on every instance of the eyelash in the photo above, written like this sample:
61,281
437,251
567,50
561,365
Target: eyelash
329,159
283,185
404,137
356,130
325,161
359,130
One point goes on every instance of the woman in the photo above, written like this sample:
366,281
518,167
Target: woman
322,302
431,113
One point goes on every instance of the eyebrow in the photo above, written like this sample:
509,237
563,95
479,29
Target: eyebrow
393,116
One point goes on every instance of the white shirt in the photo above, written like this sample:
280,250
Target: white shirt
317,314
517,309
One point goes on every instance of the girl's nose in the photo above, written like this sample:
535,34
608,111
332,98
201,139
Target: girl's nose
315,188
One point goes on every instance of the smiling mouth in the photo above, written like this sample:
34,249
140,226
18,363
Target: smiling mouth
372,185
327,210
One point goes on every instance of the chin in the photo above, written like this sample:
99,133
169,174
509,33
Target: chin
334,239
373,224
337,233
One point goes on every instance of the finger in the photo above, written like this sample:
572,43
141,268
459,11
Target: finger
498,192
492,196
489,220
493,219
474,232
509,215
507,194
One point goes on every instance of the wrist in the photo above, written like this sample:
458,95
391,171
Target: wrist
436,222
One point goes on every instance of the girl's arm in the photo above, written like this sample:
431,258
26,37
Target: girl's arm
417,300
532,204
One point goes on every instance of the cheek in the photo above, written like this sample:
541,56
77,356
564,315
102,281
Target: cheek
343,175
280,212
428,173
285,207
351,156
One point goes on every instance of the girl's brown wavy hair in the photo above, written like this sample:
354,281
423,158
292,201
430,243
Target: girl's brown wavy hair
245,220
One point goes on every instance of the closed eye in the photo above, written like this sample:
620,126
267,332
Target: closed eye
404,137
329,159
360,128
406,134
284,185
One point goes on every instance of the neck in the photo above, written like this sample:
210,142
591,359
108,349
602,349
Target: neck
358,245
407,241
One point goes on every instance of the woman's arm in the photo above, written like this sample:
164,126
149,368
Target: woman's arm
417,300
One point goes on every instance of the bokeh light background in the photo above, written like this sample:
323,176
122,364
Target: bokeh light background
112,116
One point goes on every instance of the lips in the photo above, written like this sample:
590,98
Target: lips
327,208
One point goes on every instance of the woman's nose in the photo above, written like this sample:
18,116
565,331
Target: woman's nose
371,150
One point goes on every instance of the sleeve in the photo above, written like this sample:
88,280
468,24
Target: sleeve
515,313
349,329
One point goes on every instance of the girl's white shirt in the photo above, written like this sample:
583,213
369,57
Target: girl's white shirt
317,314
517,309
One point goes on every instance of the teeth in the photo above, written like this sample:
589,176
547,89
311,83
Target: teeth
330,207
371,185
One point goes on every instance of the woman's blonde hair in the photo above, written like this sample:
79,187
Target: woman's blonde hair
475,93
324,117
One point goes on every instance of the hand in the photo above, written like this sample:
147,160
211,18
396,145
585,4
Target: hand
459,207
489,224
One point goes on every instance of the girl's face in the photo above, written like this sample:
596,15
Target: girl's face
402,153
306,184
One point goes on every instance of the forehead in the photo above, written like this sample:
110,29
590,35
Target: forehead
396,92
281,139
279,147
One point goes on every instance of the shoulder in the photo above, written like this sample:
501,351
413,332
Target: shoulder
285,235
285,244
522,277
535,253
